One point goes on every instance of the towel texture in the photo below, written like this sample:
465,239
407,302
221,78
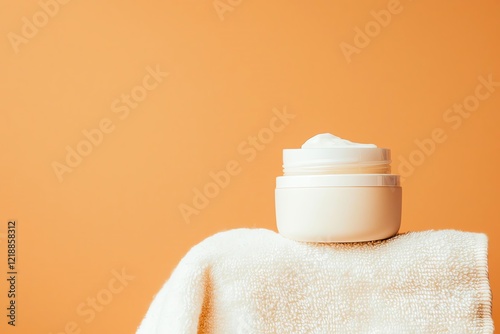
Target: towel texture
250,281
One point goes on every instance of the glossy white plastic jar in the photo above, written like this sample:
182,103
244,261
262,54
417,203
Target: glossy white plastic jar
337,191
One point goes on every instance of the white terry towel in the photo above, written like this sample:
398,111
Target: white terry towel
255,281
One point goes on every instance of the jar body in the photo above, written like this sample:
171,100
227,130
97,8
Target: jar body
338,213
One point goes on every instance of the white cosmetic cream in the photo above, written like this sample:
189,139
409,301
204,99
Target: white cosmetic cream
327,140
334,190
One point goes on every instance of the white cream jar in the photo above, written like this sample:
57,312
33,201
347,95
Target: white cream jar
334,190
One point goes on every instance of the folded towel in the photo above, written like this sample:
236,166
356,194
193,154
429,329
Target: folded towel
255,281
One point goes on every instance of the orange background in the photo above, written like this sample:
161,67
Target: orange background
119,208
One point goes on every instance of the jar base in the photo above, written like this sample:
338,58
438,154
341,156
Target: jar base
338,214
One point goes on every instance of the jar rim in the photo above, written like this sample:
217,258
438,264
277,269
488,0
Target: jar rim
338,180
